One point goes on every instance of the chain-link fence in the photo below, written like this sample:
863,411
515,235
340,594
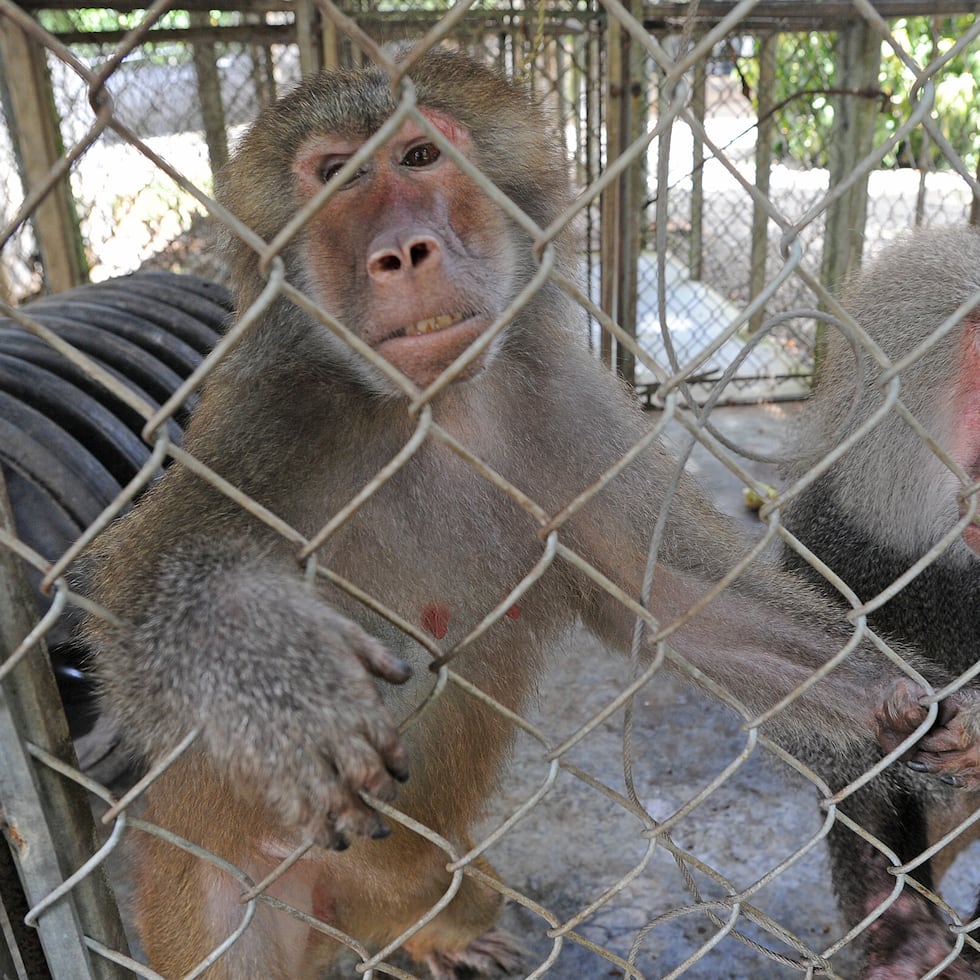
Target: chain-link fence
412,424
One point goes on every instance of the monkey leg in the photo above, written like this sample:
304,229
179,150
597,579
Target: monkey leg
374,892
911,936
381,890
186,906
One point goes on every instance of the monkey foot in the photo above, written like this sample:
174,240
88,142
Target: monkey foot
494,954
908,941
950,749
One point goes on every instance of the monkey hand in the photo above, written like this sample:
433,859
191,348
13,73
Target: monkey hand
950,748
280,686
317,734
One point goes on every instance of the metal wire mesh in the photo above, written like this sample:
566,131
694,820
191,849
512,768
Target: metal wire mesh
620,850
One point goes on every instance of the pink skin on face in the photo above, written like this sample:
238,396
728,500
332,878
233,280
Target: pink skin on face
411,237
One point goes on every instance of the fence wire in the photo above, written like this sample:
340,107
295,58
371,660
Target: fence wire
729,175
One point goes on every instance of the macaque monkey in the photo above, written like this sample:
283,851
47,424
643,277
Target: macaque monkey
296,673
887,502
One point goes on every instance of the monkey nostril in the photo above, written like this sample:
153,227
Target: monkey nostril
402,257
419,252
384,263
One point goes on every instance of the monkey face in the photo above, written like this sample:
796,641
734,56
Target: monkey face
409,252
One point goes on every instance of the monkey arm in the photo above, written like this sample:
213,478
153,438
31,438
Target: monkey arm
760,639
278,684
766,635
759,652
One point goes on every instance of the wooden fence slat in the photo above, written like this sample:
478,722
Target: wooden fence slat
37,141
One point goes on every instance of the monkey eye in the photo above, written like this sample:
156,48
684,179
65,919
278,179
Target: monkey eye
423,155
329,167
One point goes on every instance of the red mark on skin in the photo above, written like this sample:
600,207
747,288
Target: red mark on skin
435,620
324,907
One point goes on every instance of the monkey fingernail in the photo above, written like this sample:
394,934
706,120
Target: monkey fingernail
380,832
385,664
951,780
340,843
917,766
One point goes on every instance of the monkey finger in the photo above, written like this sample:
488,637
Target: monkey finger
395,758
374,763
950,748
945,740
377,658
960,769
385,664
334,816
326,835
899,714
362,821
349,819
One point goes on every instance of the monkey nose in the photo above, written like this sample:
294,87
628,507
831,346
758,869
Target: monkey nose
403,257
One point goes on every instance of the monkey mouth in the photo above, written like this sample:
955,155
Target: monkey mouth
424,349
433,323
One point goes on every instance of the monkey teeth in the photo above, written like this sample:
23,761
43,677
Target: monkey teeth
433,323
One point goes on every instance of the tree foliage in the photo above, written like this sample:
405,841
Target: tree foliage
807,86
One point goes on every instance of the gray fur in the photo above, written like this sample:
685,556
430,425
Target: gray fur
878,510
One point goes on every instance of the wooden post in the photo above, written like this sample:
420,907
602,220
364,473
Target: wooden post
634,194
307,39
592,163
47,818
37,142
763,167
330,44
622,200
610,248
209,94
695,256
858,58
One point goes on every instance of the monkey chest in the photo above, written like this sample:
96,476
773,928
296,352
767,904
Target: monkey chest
440,571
